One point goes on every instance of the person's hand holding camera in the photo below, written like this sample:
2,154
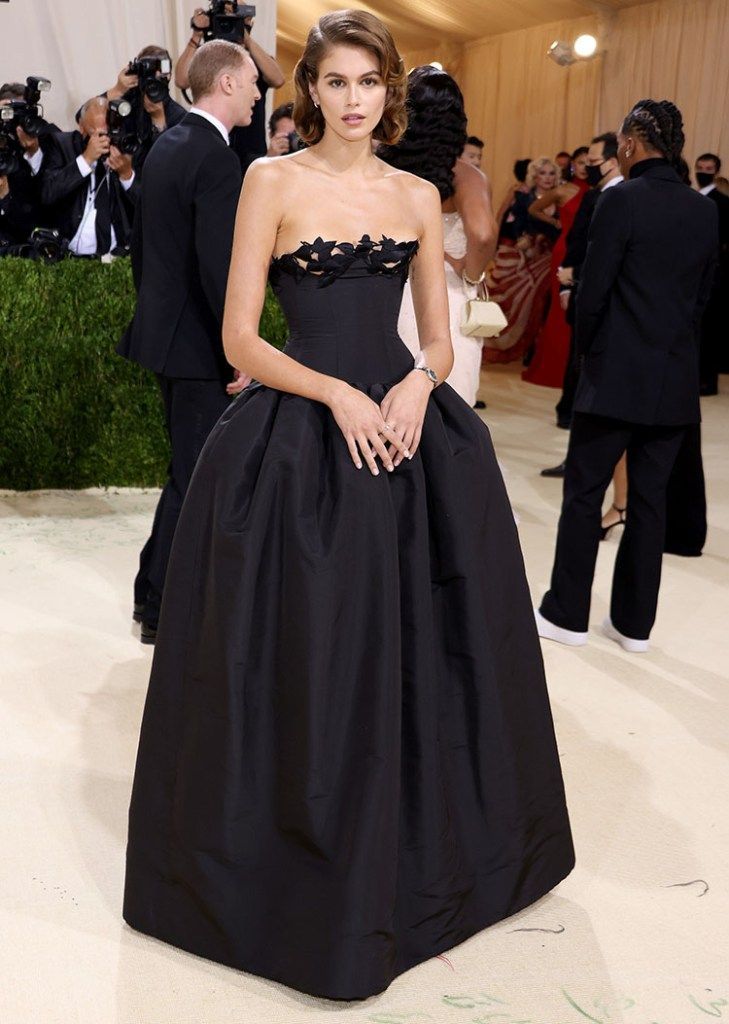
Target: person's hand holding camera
279,144
120,162
123,84
30,143
200,21
96,147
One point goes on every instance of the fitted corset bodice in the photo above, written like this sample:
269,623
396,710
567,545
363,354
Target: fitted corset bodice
341,302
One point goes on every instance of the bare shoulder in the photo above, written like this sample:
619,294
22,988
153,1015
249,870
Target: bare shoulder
265,171
413,188
467,176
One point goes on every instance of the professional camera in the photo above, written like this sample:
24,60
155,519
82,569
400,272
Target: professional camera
227,21
26,114
121,128
295,142
147,70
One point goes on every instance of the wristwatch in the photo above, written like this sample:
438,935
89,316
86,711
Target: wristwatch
430,374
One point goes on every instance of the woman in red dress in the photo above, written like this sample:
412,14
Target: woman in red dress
549,361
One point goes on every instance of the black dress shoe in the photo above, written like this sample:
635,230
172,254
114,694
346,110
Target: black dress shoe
138,612
480,405
554,471
148,634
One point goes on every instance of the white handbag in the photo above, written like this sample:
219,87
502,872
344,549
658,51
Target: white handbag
481,318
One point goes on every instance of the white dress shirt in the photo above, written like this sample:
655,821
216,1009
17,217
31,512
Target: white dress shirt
707,188
613,181
213,120
35,160
83,242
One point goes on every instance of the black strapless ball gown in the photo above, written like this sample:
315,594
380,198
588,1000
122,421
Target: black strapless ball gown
347,762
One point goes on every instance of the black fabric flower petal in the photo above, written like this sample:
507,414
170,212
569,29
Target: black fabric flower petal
329,260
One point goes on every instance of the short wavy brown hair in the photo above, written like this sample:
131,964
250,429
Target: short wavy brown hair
351,28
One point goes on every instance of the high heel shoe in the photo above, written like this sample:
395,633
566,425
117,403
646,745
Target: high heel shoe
605,531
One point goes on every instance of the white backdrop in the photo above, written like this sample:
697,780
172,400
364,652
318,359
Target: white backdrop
82,44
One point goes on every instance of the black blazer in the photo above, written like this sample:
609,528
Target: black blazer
722,208
64,190
576,241
576,245
644,283
183,236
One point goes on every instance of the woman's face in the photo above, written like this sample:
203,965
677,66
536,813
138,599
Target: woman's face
579,166
350,92
546,178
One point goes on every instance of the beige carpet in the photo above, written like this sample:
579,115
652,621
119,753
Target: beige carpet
639,933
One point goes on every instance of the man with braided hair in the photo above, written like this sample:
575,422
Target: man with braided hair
645,281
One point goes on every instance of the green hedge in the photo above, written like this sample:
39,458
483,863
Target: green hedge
73,413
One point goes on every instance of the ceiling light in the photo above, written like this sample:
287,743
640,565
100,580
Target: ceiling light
585,46
561,53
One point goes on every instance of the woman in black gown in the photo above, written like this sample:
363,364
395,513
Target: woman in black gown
347,762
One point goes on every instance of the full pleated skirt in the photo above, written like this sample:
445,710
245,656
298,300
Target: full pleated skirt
347,762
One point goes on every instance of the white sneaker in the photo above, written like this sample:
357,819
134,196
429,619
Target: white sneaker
626,642
548,631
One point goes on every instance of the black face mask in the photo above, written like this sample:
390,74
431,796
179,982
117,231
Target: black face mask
594,175
704,178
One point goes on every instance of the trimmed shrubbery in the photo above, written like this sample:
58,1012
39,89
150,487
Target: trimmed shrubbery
72,412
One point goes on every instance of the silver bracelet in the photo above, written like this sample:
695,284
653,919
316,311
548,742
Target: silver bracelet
467,279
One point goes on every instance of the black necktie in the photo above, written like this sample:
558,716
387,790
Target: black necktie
102,202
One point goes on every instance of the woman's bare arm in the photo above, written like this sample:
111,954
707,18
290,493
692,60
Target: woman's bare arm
404,406
556,197
427,281
260,212
473,202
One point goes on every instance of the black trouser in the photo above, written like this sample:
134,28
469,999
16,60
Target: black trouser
714,341
596,444
686,499
569,386
192,408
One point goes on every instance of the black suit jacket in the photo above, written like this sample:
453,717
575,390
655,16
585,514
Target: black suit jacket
64,190
722,208
576,249
21,210
181,248
576,245
645,281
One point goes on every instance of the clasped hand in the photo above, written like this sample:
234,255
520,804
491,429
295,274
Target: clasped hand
390,431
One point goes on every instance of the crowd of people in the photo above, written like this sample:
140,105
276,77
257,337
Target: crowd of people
543,226
84,183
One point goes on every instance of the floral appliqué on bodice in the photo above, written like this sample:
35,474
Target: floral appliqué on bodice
329,260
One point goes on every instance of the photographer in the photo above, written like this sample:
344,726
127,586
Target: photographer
89,186
281,130
153,109
248,143
21,167
144,83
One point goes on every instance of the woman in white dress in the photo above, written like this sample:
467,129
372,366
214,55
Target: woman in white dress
431,148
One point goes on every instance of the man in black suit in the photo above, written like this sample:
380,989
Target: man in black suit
603,172
715,324
89,187
183,237
20,189
644,284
